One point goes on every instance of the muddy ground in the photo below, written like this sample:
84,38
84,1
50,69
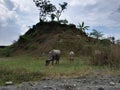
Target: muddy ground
79,83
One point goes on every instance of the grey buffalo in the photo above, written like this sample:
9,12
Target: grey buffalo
54,55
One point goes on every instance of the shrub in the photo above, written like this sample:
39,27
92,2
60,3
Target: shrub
72,26
23,39
5,52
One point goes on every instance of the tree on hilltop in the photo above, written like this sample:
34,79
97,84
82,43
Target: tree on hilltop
45,7
59,11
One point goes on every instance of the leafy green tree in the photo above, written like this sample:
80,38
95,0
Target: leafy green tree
45,7
96,34
59,11
82,27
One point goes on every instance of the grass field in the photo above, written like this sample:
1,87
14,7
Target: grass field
27,68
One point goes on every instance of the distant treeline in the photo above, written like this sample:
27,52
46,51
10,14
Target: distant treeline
3,46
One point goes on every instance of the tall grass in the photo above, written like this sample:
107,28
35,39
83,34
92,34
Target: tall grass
109,56
26,68
18,75
114,57
19,69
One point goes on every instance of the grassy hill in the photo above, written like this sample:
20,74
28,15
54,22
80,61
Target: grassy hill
43,37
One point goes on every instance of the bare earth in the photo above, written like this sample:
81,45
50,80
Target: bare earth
82,83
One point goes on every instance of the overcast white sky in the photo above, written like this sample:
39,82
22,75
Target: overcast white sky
17,15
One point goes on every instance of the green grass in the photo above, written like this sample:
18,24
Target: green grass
27,68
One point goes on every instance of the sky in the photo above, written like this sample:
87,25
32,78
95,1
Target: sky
17,16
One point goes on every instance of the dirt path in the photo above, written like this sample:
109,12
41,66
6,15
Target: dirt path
85,83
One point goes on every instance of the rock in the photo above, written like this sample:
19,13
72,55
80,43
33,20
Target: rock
8,83
78,81
45,86
112,83
48,87
95,82
119,81
55,89
74,85
101,88
84,81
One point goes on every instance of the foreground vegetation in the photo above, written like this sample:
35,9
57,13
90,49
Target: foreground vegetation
26,68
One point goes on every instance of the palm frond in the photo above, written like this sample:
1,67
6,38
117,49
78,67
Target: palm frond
82,24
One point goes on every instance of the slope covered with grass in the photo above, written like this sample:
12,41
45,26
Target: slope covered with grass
45,36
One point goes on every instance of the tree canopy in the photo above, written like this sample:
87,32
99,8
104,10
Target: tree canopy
47,9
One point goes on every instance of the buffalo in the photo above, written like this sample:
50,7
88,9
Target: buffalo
54,55
71,56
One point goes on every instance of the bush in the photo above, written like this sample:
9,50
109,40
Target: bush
5,52
23,39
